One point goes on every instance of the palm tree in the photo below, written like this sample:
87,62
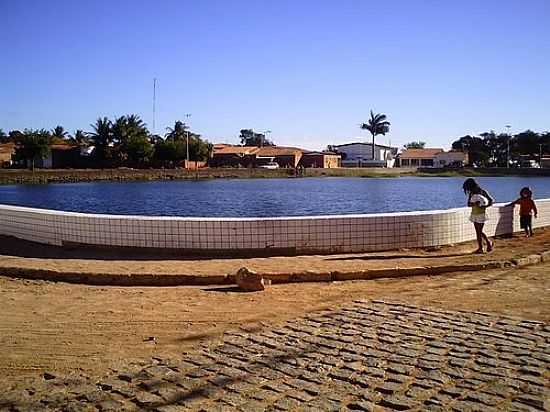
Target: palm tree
59,133
80,137
132,139
377,124
177,132
102,137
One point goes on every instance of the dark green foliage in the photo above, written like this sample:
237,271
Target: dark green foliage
475,147
131,140
173,149
250,138
102,139
492,150
14,135
33,145
178,132
59,134
415,145
80,138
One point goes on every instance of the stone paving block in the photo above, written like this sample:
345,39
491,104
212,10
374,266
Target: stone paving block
361,356
362,405
398,403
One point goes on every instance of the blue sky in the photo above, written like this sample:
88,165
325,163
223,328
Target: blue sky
310,71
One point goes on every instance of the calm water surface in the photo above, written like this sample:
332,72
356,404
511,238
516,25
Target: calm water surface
265,197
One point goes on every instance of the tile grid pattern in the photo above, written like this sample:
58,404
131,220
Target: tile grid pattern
316,234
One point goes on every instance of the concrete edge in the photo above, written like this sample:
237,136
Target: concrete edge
150,279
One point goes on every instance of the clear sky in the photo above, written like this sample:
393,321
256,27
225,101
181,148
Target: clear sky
309,70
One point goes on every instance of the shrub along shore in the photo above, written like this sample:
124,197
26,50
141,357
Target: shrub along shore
20,176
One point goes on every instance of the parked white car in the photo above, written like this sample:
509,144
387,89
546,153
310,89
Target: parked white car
270,165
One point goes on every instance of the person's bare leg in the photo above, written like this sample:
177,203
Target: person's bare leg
488,241
479,231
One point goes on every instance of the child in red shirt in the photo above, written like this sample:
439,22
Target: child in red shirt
526,208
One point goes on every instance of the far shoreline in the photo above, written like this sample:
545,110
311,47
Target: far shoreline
44,176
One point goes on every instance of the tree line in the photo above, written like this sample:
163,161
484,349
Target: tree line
123,141
502,150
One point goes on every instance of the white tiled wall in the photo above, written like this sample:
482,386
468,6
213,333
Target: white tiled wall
316,234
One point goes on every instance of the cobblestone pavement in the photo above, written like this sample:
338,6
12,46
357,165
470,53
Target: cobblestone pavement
368,355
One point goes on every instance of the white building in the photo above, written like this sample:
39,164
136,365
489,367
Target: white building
360,155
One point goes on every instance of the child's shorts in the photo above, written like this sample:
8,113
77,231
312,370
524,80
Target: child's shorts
525,221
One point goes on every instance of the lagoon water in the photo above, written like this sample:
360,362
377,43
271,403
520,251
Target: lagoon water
265,197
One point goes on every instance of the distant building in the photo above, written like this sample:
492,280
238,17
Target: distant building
324,160
545,162
233,156
61,156
418,157
360,155
453,158
253,156
283,156
7,151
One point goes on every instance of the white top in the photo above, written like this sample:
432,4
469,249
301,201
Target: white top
483,201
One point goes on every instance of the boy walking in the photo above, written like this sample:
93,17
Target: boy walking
527,208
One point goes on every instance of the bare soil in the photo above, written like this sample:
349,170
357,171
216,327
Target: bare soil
23,254
60,327
46,326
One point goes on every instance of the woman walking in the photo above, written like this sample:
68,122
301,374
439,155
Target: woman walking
479,200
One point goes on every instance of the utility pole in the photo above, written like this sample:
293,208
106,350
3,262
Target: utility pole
540,154
508,146
187,116
154,101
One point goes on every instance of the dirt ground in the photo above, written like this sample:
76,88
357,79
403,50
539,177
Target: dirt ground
18,253
60,327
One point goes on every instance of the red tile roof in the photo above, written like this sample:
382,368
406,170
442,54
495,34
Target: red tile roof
420,153
235,150
279,151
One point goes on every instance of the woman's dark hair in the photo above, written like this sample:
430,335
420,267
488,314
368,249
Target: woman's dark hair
526,189
471,186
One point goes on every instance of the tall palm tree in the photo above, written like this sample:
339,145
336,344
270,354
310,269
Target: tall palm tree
102,136
59,134
377,124
80,137
177,132
131,139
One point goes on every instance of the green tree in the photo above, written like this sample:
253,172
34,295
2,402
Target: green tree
250,138
527,144
59,134
545,142
102,139
415,145
376,125
131,139
3,137
80,137
492,147
14,135
178,132
33,145
199,149
478,153
169,151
